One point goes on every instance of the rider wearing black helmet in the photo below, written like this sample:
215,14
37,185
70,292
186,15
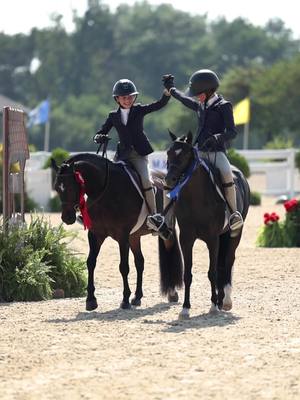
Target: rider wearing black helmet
128,119
215,129
124,87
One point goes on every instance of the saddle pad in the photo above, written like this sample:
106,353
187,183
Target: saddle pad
144,209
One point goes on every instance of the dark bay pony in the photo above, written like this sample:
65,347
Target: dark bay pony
113,206
200,212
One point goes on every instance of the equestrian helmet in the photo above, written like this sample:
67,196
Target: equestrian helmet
124,87
202,81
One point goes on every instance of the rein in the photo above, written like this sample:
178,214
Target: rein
196,161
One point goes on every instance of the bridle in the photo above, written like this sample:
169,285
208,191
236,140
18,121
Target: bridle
177,169
80,181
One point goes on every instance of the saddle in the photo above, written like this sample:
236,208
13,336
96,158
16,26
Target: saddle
157,179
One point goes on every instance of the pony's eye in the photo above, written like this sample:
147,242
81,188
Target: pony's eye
177,152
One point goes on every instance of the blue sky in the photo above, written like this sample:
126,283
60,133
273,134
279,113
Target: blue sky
34,13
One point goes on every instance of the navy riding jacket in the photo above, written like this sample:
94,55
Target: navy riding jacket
215,119
132,135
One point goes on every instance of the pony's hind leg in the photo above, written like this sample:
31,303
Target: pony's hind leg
135,246
124,270
95,245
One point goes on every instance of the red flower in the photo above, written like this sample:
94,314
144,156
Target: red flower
291,205
269,219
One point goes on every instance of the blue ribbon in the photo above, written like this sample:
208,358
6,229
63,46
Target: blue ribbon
174,193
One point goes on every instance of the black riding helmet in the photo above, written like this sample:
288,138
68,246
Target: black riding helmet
124,87
202,81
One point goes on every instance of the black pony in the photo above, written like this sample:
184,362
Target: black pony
200,212
112,209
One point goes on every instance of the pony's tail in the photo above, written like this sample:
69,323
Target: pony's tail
170,264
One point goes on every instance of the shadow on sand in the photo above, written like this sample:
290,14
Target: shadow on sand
205,320
116,314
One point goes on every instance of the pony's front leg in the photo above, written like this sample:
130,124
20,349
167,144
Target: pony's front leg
213,249
124,270
135,246
187,252
95,245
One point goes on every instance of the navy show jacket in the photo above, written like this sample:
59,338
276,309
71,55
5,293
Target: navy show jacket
132,135
215,119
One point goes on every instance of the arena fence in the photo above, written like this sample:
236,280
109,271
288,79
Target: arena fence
277,166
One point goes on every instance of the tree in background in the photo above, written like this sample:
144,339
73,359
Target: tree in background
77,70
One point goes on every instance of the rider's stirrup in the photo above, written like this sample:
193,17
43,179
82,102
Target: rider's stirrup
157,223
235,221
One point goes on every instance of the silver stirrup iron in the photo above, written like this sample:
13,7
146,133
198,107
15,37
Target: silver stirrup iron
235,221
155,221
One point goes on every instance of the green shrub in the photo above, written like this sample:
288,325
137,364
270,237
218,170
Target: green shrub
35,260
281,234
255,199
238,161
59,156
279,143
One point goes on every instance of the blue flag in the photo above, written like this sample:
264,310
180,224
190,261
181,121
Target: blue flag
40,114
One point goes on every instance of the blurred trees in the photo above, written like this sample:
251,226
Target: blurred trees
77,70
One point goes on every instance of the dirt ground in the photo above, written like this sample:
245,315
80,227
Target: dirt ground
57,350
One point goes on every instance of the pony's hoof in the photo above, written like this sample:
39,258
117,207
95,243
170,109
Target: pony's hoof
91,305
136,302
125,305
227,306
184,314
173,297
214,309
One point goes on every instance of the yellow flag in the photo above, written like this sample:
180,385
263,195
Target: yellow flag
241,112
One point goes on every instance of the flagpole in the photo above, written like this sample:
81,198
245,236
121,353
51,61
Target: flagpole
246,136
47,136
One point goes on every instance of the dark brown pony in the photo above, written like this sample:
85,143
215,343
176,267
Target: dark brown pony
200,213
113,206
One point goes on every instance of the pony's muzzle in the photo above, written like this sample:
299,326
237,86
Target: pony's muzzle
68,217
170,181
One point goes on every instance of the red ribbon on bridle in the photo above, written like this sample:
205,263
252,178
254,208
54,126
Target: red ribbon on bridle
87,223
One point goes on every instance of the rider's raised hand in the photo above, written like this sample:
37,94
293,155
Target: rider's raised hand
168,81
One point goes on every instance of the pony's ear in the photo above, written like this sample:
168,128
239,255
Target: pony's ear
189,137
54,165
173,137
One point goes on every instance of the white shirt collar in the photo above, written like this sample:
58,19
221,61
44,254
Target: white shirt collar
211,100
124,115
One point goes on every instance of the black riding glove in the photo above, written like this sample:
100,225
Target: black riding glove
213,141
100,138
168,81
